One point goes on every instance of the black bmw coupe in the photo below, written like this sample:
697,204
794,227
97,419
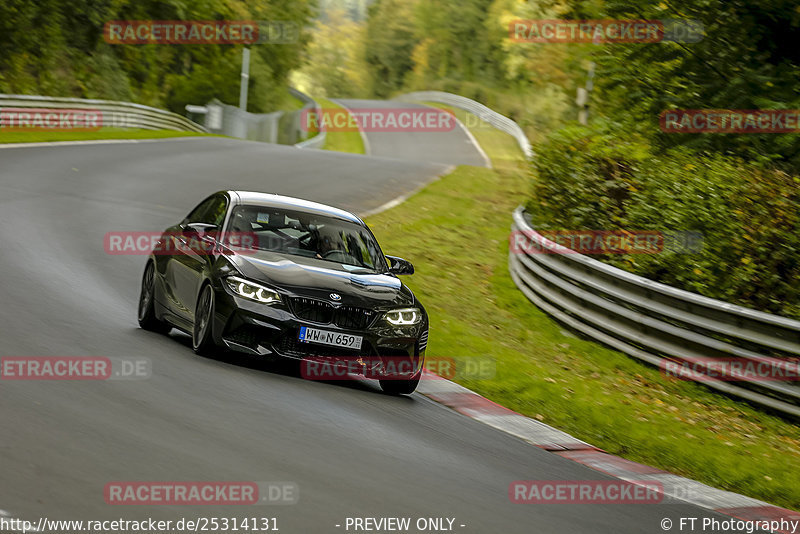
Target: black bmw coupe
271,275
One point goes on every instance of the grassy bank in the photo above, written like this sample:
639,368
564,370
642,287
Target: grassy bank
341,141
40,136
455,232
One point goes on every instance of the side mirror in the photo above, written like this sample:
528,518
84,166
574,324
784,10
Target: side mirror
399,265
201,229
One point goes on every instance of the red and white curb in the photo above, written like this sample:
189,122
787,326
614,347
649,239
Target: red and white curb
469,403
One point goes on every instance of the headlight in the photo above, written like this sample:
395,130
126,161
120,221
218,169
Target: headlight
252,290
406,316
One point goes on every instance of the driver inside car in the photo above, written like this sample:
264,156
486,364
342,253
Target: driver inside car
327,241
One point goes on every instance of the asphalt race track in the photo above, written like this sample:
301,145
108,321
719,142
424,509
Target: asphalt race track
454,147
352,451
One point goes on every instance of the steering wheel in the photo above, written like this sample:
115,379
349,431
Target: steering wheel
330,255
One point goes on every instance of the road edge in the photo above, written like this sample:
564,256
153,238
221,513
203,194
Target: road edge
38,144
475,406
396,201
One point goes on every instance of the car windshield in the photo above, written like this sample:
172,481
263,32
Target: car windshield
295,233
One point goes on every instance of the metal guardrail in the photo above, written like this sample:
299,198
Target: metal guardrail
317,141
501,122
229,120
282,127
654,322
115,114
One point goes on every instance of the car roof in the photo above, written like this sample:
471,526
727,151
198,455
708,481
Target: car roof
279,201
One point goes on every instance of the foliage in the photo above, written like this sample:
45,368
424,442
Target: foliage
334,61
390,43
411,44
56,48
601,178
740,191
745,60
463,47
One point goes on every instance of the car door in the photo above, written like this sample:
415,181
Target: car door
192,257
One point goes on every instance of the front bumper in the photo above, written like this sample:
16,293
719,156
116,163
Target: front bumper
259,329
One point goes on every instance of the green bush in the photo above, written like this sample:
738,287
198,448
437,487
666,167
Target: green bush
588,178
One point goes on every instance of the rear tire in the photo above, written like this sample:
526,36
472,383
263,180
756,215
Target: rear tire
147,308
202,340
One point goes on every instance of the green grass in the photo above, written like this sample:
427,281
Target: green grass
341,141
39,136
455,231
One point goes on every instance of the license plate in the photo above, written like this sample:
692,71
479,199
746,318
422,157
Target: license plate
324,337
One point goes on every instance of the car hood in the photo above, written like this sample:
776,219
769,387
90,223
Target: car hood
313,278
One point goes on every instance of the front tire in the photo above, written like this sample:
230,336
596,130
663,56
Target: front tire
405,386
147,310
202,340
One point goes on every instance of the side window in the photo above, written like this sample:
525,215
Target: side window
210,211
